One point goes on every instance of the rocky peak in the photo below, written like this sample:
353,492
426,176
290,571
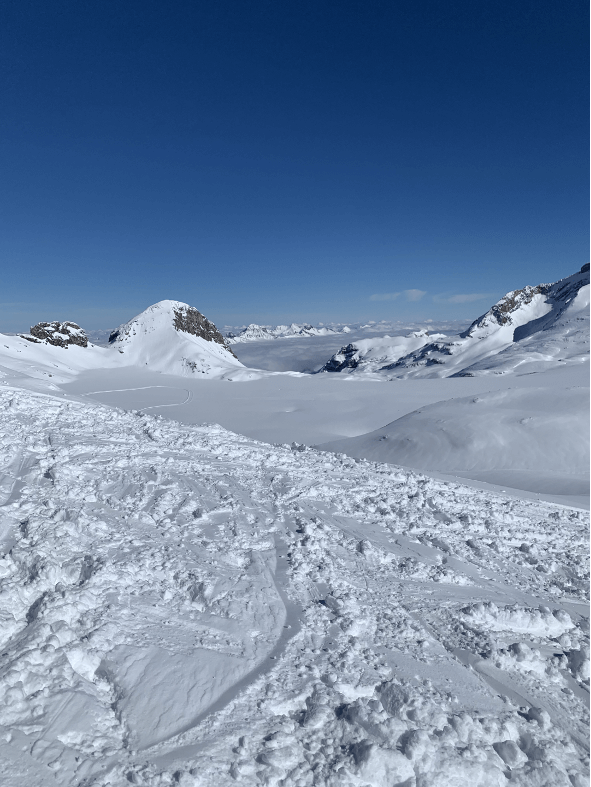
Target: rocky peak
189,320
501,312
346,358
165,314
58,334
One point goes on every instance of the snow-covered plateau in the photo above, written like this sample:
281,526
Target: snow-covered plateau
191,595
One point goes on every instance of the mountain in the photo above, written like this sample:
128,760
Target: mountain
371,355
58,334
169,337
257,333
534,328
174,338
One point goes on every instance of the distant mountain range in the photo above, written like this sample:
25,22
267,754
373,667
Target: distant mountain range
257,333
527,330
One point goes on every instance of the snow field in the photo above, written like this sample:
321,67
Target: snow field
539,433
183,605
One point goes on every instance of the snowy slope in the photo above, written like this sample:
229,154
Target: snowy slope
541,327
174,338
169,337
184,606
529,438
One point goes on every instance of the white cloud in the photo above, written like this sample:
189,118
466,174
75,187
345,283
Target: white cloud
384,296
414,295
461,297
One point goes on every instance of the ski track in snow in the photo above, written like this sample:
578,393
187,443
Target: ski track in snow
184,605
149,388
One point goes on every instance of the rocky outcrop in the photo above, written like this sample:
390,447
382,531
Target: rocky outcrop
58,334
190,320
500,313
346,358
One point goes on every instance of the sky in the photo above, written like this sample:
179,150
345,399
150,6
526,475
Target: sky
295,160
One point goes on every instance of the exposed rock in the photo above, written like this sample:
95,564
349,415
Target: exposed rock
501,312
59,334
346,358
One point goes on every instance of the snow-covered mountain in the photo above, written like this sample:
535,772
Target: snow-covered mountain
175,338
370,355
257,333
538,327
169,337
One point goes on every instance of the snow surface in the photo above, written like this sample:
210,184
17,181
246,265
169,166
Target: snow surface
184,605
532,438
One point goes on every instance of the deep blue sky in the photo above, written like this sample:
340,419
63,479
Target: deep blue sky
269,161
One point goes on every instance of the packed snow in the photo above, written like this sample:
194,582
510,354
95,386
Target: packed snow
183,605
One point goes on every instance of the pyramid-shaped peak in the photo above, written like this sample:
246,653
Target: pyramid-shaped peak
170,314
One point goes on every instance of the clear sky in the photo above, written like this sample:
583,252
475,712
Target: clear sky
273,160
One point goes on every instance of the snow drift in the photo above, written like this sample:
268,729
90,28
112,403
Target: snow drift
531,438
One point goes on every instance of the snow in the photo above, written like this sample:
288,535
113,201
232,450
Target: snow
191,595
257,333
532,438
183,605
150,339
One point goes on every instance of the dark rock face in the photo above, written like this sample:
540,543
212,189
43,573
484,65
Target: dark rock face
346,358
502,310
190,320
426,356
59,334
186,319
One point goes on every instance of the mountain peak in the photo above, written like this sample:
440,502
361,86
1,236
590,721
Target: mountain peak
167,313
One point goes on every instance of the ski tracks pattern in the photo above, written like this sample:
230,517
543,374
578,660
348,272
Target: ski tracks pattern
183,605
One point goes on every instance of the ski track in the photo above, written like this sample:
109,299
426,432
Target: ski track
184,605
147,388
